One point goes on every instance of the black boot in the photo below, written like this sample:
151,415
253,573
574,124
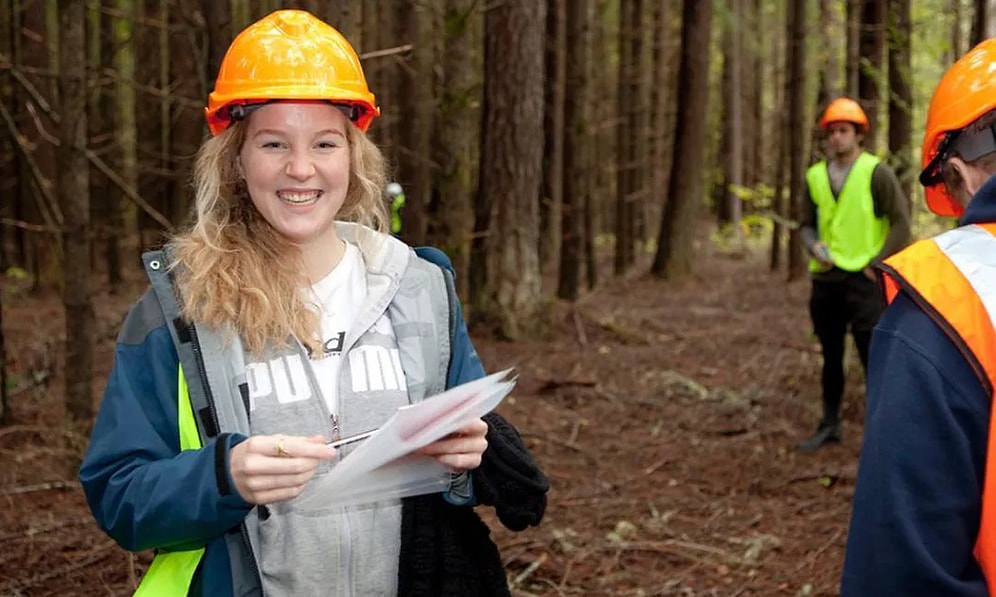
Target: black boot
825,433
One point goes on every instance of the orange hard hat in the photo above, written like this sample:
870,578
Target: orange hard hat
966,92
844,109
289,55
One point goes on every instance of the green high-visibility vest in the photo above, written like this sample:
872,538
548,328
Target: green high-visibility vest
396,205
172,572
847,223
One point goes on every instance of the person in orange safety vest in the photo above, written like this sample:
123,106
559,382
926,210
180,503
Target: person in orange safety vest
924,517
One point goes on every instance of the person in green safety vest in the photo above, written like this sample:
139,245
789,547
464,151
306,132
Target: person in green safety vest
854,214
397,196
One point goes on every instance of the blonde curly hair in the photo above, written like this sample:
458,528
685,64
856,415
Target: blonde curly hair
233,269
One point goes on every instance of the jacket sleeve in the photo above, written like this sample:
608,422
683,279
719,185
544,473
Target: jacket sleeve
142,490
917,501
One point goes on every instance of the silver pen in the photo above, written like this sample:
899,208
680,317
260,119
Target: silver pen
351,439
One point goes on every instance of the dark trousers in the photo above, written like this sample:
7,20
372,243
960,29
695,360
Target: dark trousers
853,301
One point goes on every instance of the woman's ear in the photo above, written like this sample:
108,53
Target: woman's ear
238,168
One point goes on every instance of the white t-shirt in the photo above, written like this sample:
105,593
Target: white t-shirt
338,297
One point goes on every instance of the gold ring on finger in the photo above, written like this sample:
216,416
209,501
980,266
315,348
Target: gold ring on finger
281,449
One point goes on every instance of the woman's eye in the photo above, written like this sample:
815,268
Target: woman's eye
327,144
272,145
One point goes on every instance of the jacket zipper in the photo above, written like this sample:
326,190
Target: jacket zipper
202,373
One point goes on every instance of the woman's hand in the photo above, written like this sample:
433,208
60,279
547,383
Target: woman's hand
460,451
274,468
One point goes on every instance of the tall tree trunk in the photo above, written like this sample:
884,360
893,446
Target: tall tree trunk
957,42
74,195
512,159
852,62
872,45
151,119
661,102
626,151
576,145
9,182
458,136
901,93
415,103
347,17
220,31
553,133
781,133
187,79
39,205
733,122
10,179
678,223
799,130
603,139
983,23
834,33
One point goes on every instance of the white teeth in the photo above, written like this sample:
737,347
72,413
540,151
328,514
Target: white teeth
298,198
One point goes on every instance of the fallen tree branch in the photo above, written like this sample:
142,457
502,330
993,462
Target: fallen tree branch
39,487
33,531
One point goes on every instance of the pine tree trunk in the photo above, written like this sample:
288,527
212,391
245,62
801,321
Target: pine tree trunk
678,223
458,136
901,94
75,198
734,123
852,62
983,26
10,179
797,126
956,49
415,103
186,120
576,146
512,159
627,93
872,45
553,127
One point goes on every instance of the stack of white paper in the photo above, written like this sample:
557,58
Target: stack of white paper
385,467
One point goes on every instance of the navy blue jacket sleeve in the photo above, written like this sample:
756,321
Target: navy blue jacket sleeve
143,491
917,501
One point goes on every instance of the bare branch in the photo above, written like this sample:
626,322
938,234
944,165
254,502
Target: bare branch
53,218
387,52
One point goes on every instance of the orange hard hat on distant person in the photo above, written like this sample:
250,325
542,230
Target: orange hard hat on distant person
966,92
289,55
844,109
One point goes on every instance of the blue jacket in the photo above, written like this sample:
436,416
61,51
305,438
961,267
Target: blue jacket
136,480
918,498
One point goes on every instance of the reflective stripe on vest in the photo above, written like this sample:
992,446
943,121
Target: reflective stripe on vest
172,572
953,276
847,223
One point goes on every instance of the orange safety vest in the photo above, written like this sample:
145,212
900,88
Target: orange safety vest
953,278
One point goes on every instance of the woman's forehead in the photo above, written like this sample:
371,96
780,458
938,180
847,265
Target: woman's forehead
305,115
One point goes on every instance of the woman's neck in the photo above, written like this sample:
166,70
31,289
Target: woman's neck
322,256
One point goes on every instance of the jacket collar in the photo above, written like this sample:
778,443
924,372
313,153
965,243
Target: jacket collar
982,208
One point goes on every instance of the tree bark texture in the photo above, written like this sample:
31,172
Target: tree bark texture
576,145
553,126
512,158
799,130
678,223
901,94
458,136
74,194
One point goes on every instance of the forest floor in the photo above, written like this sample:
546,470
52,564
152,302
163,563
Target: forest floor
664,413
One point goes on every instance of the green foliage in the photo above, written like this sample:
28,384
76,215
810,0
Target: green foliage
18,282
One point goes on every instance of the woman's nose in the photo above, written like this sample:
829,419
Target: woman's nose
300,166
